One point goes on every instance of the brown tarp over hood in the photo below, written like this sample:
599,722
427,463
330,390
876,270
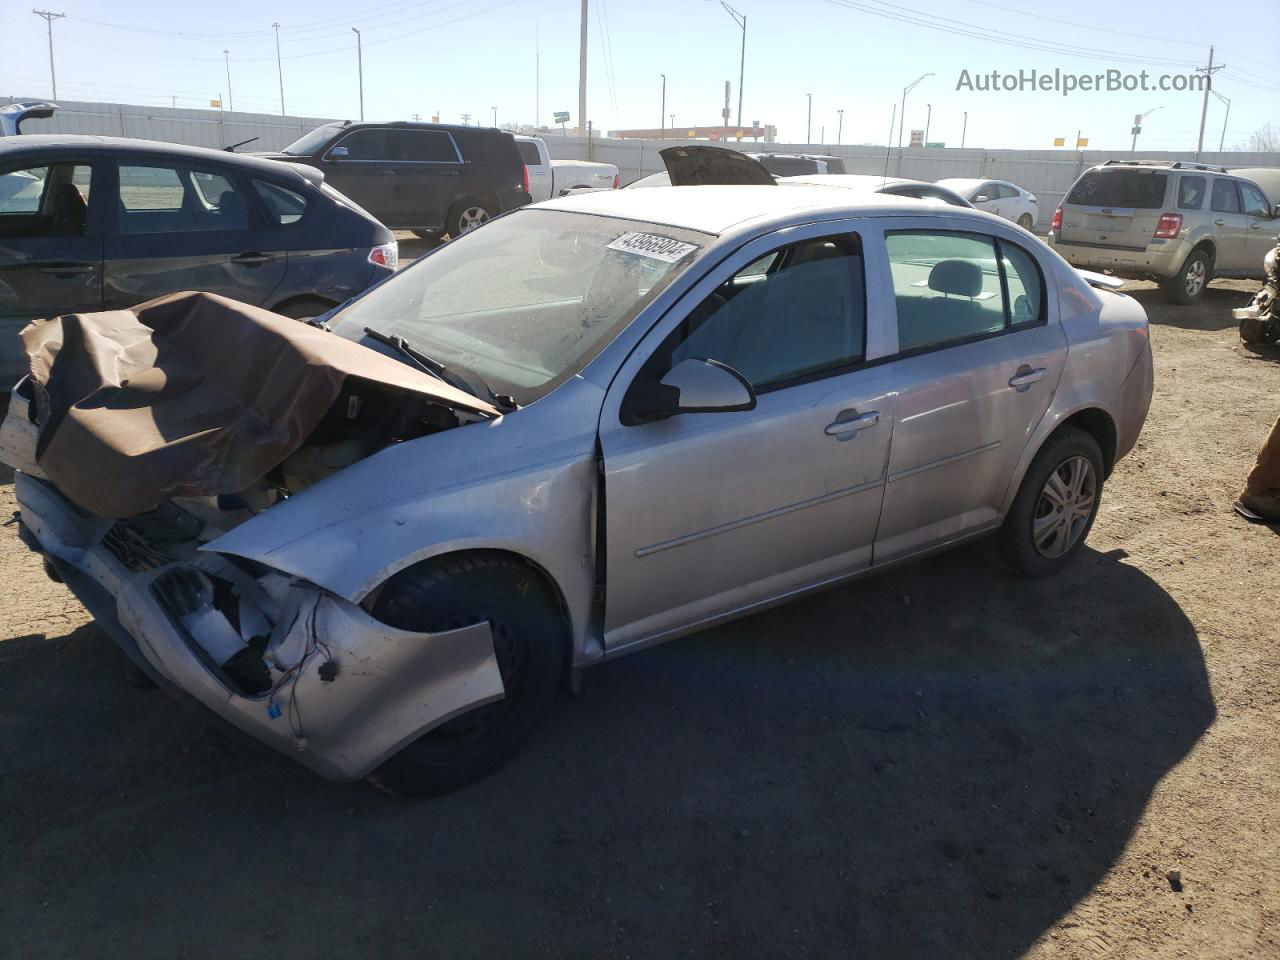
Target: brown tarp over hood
190,395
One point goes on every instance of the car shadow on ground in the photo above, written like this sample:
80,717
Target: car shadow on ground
935,762
1211,312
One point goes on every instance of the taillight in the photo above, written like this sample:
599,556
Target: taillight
1056,225
524,185
1169,226
615,181
386,255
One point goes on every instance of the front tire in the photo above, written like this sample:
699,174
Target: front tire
529,637
1189,283
1056,505
465,215
1025,221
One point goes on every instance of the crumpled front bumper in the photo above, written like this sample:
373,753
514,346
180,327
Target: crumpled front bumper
381,687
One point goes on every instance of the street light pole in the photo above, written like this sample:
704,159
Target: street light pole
360,68
808,124
1137,123
840,128
902,120
1227,101
662,117
226,56
741,20
964,129
928,120
495,116
48,19
279,68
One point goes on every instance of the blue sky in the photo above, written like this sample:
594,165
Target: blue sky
467,56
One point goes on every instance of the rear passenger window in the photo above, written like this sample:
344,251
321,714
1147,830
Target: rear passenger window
1191,192
798,313
163,199
284,205
422,146
950,287
1226,199
44,201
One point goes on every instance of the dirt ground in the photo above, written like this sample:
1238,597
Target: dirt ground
940,761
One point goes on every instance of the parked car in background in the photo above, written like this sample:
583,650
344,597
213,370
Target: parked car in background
798,164
557,178
100,223
1000,197
430,178
13,115
1178,223
894,186
672,408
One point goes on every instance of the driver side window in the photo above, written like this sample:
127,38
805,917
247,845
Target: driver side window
795,314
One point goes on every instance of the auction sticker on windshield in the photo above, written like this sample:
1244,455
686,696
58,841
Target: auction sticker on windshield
653,246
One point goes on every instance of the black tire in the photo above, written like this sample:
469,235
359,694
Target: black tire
304,308
431,236
1017,537
462,216
1198,263
1025,221
530,641
1253,331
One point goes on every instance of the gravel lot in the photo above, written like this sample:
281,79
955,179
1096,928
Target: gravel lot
936,762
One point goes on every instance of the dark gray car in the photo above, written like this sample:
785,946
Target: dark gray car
430,178
94,223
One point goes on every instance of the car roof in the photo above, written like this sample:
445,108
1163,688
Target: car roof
960,183
715,209
32,142
854,181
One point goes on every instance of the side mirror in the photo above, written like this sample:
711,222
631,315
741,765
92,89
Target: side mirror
339,153
691,386
1275,212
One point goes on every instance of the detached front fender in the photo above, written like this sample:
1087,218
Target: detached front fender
524,483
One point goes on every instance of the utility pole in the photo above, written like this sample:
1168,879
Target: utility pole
840,128
741,20
808,124
582,70
495,116
359,70
964,129
662,117
226,56
279,68
902,121
48,19
1204,107
1228,101
537,76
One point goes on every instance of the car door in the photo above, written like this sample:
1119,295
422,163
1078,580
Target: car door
710,513
979,355
181,226
430,176
1262,227
987,197
1231,226
361,166
51,213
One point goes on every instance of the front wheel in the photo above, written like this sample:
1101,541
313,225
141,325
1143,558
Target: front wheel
1025,221
1188,284
529,640
466,215
1056,505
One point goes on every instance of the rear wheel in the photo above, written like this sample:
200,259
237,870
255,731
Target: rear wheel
431,236
1188,284
466,215
1056,505
529,639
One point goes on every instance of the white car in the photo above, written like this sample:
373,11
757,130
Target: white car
561,178
1000,197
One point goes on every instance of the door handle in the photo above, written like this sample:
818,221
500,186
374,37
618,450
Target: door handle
385,173
252,259
1025,377
1219,222
1254,225
68,268
847,429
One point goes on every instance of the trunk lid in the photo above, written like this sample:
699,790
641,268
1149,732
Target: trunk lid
1113,207
698,165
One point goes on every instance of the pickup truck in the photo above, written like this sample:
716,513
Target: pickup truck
557,178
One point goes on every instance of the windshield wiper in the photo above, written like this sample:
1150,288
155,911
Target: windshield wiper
437,369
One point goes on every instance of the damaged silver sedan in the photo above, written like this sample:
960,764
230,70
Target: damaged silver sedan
382,545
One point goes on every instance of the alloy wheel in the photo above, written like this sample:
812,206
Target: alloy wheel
1197,274
1065,505
472,217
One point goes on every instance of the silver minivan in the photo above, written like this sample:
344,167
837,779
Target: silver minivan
1180,224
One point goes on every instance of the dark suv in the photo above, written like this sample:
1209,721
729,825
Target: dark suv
426,177
93,223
